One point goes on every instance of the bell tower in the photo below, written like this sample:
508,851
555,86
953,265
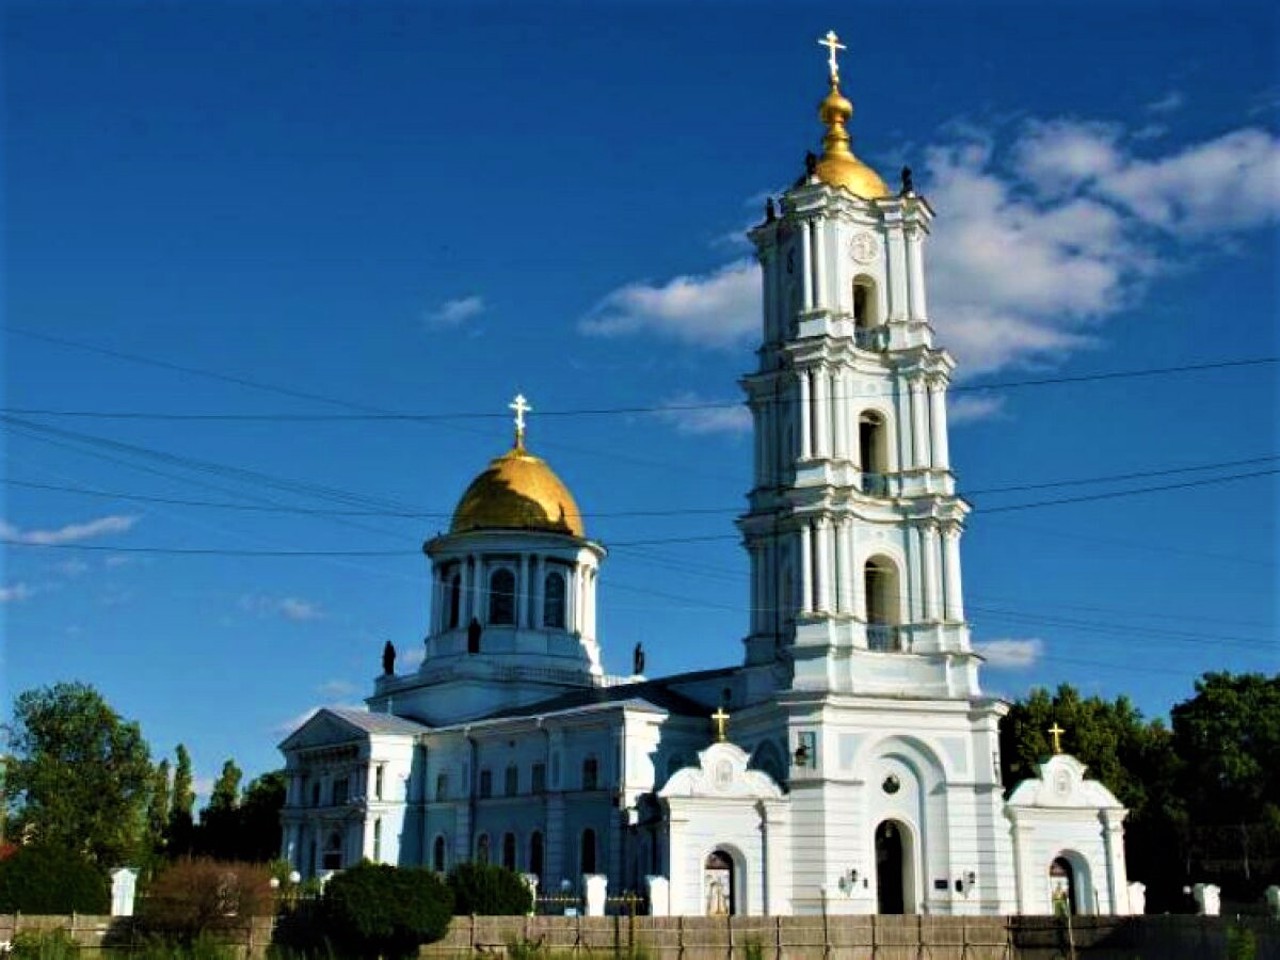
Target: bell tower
854,526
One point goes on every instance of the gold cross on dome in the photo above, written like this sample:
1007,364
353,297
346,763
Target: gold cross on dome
721,719
832,43
1056,732
521,406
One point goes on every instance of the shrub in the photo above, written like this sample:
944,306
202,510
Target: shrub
489,891
193,897
48,879
44,945
376,910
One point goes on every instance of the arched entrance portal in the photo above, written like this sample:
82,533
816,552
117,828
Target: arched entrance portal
717,884
1064,895
894,878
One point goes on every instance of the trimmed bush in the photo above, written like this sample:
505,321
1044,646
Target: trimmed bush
48,879
376,910
193,897
489,891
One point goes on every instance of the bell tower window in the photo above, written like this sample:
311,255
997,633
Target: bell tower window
865,318
553,594
502,597
880,587
872,451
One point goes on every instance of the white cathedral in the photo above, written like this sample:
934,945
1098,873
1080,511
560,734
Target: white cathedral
850,764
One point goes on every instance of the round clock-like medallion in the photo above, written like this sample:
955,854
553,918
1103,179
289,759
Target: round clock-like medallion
891,784
864,247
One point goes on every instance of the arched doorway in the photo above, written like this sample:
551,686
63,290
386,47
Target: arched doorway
1064,893
717,884
894,876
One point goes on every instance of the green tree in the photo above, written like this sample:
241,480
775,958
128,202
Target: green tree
44,879
158,808
81,774
217,835
258,833
489,890
376,910
182,805
1228,740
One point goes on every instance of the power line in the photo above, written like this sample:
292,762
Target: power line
376,414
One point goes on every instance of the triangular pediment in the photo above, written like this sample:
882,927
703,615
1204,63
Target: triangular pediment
323,728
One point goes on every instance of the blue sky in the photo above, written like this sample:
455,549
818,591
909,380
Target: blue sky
300,210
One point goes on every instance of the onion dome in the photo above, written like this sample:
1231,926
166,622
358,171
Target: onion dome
838,166
518,491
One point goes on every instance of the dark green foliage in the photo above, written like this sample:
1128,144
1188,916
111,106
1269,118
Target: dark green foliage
46,879
234,827
158,808
81,775
490,891
181,805
376,910
55,944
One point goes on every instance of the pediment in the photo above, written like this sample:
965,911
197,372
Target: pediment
722,773
322,729
1062,784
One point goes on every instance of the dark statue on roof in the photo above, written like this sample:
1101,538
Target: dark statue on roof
389,659
908,184
637,659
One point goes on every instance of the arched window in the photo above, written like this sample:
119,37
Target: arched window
509,850
482,848
873,453
442,786
590,773
437,855
502,597
587,860
486,784
880,587
553,595
333,852
511,782
455,600
536,855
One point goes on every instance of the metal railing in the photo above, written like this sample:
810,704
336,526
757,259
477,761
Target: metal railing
870,338
875,484
883,638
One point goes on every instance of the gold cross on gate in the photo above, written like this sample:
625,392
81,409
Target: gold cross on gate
521,406
721,719
1056,732
832,43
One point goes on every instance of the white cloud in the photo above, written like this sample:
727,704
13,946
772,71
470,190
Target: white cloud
1010,654
71,533
336,689
291,608
1169,103
1041,238
454,313
15,593
695,415
969,408
720,309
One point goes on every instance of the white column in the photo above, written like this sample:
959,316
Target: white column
806,568
821,412
932,588
571,599
896,267
938,424
538,592
849,573
806,263
841,533
915,272
821,295
919,428
951,572
823,589
839,411
806,417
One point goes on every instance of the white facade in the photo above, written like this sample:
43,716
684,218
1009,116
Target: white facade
861,772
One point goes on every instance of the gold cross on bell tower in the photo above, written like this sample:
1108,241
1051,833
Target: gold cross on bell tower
832,43
721,720
521,406
1056,732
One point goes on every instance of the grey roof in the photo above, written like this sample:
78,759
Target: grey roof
657,693
376,722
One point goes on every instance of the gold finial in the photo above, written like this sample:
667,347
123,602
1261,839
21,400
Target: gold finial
832,43
1056,732
521,406
721,718
838,166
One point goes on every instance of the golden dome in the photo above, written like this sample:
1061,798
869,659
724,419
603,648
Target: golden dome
838,166
517,491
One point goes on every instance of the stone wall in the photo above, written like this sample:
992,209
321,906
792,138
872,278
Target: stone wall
774,938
